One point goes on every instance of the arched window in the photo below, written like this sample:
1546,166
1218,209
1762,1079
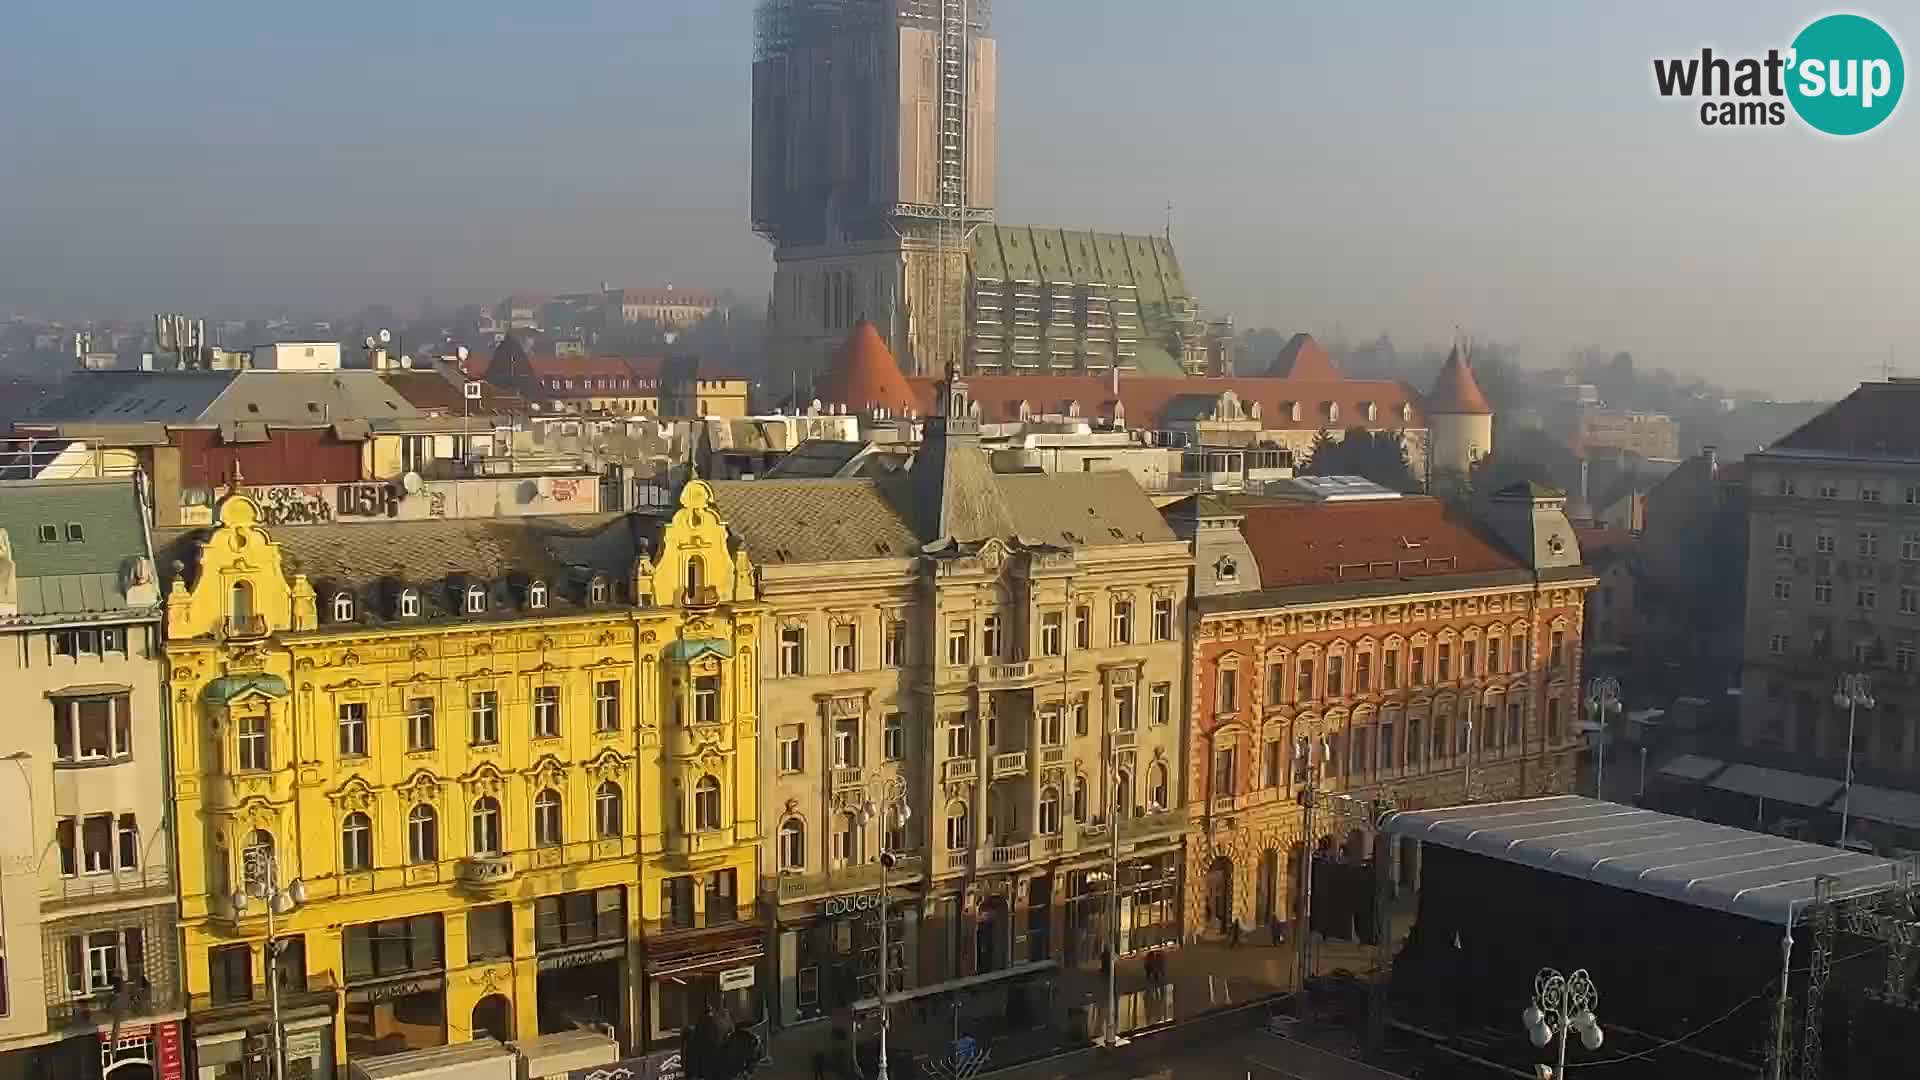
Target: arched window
793,844
423,835
486,826
255,854
1049,811
958,833
1123,794
1079,798
240,602
1158,793
696,576
546,818
476,600
342,607
706,804
356,842
608,816
537,595
409,603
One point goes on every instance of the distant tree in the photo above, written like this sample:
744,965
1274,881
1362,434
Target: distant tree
1323,457
1380,456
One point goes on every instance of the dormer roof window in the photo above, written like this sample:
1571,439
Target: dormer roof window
597,590
476,600
537,596
342,607
410,603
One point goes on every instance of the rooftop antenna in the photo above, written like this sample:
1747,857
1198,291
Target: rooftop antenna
1169,221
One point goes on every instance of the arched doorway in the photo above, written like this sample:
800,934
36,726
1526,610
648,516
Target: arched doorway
1267,889
1220,893
493,1015
992,936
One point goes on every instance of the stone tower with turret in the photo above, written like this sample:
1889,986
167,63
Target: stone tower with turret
1459,423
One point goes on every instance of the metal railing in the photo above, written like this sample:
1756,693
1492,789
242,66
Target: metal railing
1013,763
1010,854
960,769
121,885
845,776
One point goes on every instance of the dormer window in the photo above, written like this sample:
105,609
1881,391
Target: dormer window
1373,412
409,603
537,596
597,591
1333,412
476,600
1227,569
342,607
1406,412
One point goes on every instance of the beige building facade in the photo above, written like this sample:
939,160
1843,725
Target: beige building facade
1002,657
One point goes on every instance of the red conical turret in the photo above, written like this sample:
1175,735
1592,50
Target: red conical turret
864,376
1456,391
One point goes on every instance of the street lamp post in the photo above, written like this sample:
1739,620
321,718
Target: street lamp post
1853,692
1603,697
1562,1004
1113,1038
262,883
895,812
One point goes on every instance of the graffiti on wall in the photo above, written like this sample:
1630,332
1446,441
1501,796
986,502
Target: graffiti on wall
293,504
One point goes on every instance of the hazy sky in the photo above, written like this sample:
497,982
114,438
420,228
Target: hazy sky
1333,167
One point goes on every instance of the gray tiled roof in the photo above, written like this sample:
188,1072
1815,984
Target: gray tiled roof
373,561
1098,509
72,577
812,521
133,397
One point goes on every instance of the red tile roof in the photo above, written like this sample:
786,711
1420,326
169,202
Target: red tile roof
1148,398
864,376
434,392
1303,358
1455,390
547,367
1386,539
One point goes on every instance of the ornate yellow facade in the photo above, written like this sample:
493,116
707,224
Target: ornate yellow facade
485,750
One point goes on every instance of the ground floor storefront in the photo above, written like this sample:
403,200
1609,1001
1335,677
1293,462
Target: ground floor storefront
706,975
133,1049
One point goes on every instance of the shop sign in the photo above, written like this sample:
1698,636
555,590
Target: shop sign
562,961
389,991
170,1062
852,904
738,978
304,1044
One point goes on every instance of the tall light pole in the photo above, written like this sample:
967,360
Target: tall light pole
1852,692
892,809
1562,1004
1603,698
1113,1037
262,883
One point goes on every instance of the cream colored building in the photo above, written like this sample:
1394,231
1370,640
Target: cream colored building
89,960
1006,654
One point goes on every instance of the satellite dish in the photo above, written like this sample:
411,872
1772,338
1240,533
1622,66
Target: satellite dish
461,352
386,335
411,481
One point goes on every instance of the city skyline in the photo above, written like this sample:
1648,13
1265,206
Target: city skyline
1508,170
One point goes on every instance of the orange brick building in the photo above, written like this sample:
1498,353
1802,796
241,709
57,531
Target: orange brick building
1388,647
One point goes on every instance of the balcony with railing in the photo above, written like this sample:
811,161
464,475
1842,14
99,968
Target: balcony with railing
1002,856
700,596
959,768
846,776
105,1006
244,627
1010,764
842,879
155,881
958,860
1124,740
1053,755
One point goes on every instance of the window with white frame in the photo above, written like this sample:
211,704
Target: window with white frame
609,812
959,646
1049,822
1052,633
546,712
793,650
548,827
845,648
959,736
1083,626
342,607
846,840
423,834
1124,717
92,728
537,595
419,724
706,699
706,804
1160,704
1122,622
846,743
1163,618
101,961
486,826
483,714
893,737
991,639
606,705
1159,787
792,755
1052,727
1226,688
353,729
959,833
251,738
356,843
476,600
893,643
793,845
409,603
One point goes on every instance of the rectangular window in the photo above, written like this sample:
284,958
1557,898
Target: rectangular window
489,933
845,650
793,650
1866,598
1271,763
1782,588
706,699
1052,633
1336,676
1519,655
1909,600
1867,544
546,712
1226,690
231,967
92,728
1469,655
1052,726
484,714
1414,746
1493,655
893,643
251,734
1276,684
606,705
1160,704
846,743
1910,547
893,736
1363,673
1223,775
792,752
1081,711
1303,680
392,947
1083,627
1390,670
1777,644
1444,661
1903,657
959,736
1557,650
1123,708
1122,622
128,835
1387,746
419,724
96,844
1829,490
1554,716
990,638
1823,591
1418,676
958,643
1163,618
1823,541
1783,539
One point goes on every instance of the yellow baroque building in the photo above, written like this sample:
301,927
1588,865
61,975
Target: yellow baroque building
454,779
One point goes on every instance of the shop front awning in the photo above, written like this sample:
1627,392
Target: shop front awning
1778,785
1692,768
1885,805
